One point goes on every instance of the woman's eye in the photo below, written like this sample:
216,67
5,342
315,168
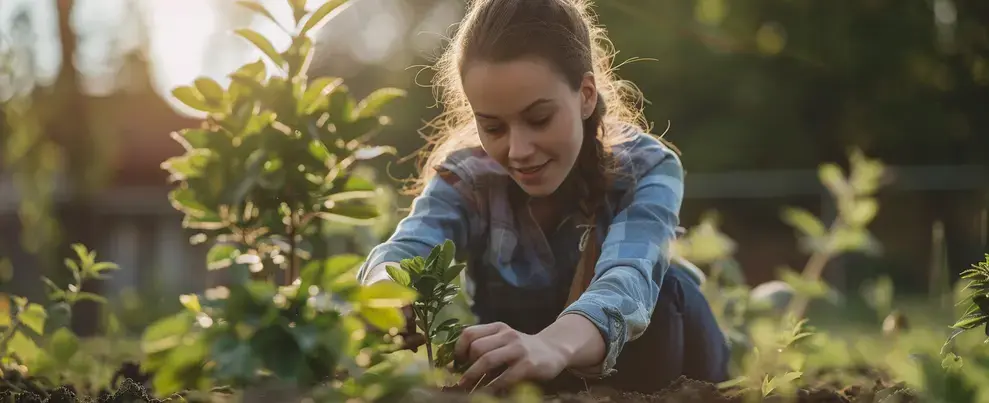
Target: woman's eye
541,121
493,129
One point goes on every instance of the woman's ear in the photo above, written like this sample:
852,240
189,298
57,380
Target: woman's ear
588,95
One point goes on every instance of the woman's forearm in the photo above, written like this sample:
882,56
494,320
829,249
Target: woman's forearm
577,339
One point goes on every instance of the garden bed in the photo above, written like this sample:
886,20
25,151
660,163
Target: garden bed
682,390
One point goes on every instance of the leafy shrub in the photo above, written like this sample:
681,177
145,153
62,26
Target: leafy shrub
272,162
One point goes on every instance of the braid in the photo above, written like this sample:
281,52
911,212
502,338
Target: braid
592,183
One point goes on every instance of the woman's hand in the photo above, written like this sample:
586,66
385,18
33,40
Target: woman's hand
489,348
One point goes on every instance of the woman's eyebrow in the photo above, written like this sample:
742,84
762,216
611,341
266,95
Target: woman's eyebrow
534,104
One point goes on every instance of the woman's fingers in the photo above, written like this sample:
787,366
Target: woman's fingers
472,333
486,344
501,356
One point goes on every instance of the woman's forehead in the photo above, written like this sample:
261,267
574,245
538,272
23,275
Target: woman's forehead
505,88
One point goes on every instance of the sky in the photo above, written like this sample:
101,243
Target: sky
190,38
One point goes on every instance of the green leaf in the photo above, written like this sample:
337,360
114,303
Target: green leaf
192,98
234,359
951,362
353,214
447,252
398,275
355,183
862,212
166,333
191,302
298,9
307,336
317,17
263,44
24,347
278,351
374,102
385,294
340,264
33,317
221,256
833,178
971,322
804,221
257,8
353,195
453,272
64,345
187,166
315,96
341,105
211,91
383,318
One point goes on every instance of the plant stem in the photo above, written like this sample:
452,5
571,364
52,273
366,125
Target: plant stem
429,339
290,274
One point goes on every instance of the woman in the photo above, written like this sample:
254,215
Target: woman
562,206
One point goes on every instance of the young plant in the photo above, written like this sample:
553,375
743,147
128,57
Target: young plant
774,364
432,278
977,301
37,342
854,197
273,162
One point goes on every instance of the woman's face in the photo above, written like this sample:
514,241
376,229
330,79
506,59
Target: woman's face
529,119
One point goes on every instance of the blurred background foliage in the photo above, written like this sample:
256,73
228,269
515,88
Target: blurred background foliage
752,92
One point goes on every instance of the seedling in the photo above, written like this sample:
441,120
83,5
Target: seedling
432,278
977,312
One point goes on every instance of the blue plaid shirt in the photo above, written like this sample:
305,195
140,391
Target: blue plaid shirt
471,204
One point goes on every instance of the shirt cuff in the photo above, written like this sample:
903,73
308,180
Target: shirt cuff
612,327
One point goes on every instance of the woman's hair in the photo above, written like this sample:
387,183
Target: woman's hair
563,33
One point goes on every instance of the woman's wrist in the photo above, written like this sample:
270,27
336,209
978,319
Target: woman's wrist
576,340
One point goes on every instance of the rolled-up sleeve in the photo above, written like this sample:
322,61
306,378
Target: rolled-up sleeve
634,258
437,214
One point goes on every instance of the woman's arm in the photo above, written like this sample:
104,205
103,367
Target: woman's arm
634,258
437,214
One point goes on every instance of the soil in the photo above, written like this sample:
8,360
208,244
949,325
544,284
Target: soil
690,391
14,389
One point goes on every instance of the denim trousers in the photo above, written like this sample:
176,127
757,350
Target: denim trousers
683,339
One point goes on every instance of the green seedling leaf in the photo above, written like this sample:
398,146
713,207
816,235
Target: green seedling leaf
298,9
452,272
376,101
33,317
971,322
257,8
263,44
317,17
447,252
314,98
383,318
399,276
192,98
952,362
191,302
64,345
804,221
166,333
211,91
221,256
386,294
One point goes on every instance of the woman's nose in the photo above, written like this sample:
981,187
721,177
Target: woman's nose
520,147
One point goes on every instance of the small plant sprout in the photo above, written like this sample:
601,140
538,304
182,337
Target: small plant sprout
432,278
977,312
856,205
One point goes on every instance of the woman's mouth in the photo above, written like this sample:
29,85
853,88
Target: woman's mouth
531,173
